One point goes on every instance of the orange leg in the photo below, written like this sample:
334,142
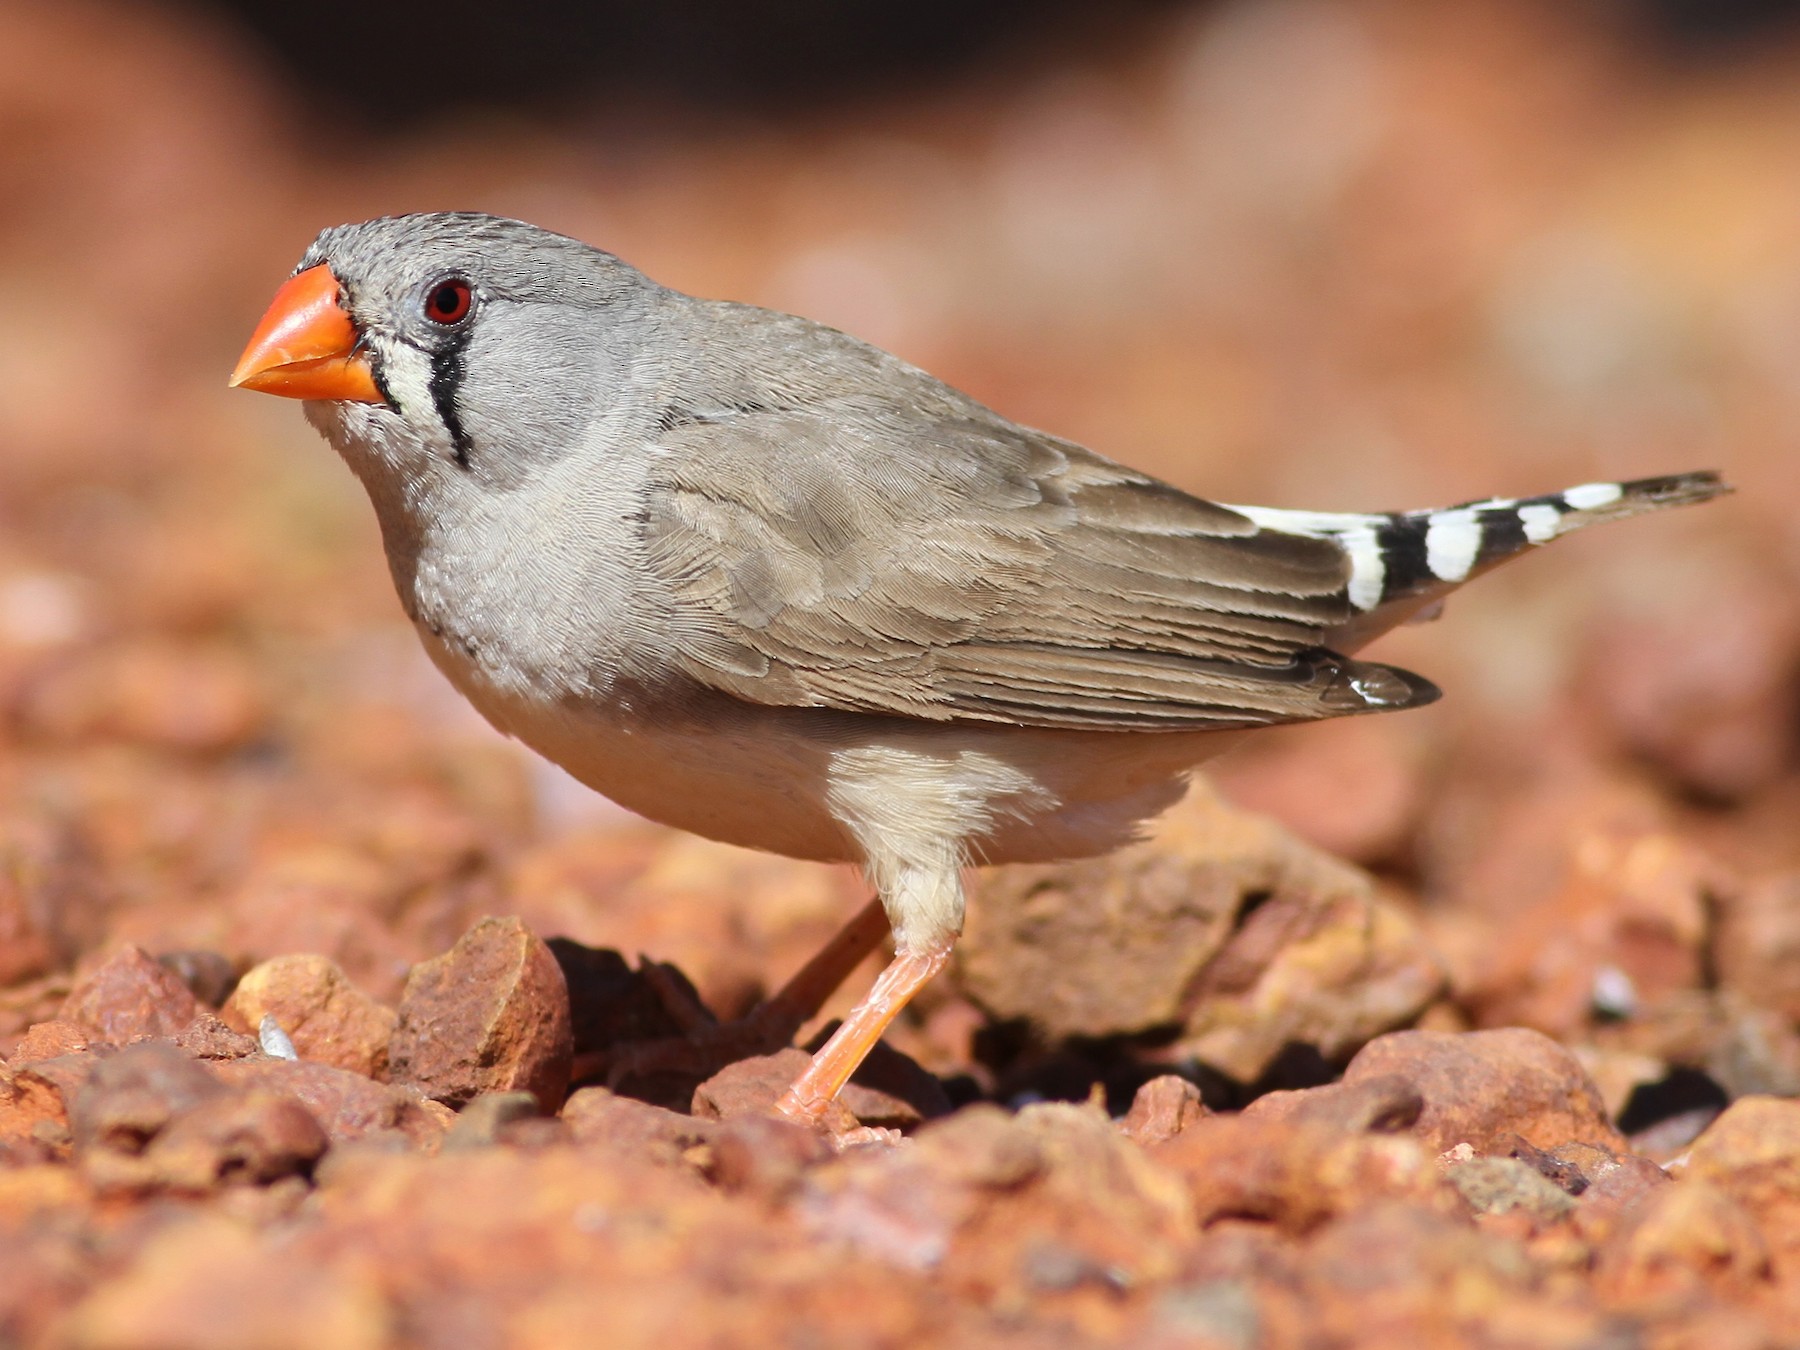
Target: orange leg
705,1046
837,1059
798,1001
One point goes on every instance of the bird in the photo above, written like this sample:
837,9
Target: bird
756,579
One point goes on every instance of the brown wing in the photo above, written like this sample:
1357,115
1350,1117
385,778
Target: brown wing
956,566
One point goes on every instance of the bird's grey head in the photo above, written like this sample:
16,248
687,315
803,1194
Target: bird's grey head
478,345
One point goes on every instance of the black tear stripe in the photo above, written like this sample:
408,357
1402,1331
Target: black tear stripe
446,379
1402,543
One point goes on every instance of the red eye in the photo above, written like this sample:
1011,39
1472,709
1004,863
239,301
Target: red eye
448,301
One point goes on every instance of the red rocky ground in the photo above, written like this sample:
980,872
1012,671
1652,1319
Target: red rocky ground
1491,1042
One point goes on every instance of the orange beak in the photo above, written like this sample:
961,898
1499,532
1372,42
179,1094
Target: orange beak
306,346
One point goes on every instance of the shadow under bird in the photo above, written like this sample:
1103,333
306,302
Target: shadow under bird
751,577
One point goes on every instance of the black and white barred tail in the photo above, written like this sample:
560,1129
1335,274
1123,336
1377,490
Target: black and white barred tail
1408,557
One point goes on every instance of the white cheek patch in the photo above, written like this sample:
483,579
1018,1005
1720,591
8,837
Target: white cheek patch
406,373
1452,541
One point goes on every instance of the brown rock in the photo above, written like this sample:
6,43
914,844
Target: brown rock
888,1089
125,1101
1752,1154
206,1037
1222,925
1684,1237
1677,1064
197,699
45,1260
1612,1183
347,1105
764,1156
1632,910
1563,1165
986,1147
1400,1274
595,1115
1162,1109
28,947
201,1284
481,1123
753,1086
328,1019
1384,1104
152,1118
490,1015
47,1040
1352,787
1483,1087
1757,948
35,1099
326,898
210,975
234,1138
1716,715
1018,1208
1298,1175
130,997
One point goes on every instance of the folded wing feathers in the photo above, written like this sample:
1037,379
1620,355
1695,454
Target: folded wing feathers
1004,576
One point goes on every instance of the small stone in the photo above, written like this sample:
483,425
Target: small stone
985,1146
1758,944
764,1156
889,1090
1298,1175
595,1115
490,1015
27,945
1615,1183
1162,1109
1382,1104
480,1123
249,1137
132,1097
275,1042
1502,1185
131,997
35,1098
1222,925
1483,1087
1752,1153
210,976
47,1040
1684,1237
753,1086
1628,927
182,697
203,1283
206,1037
346,1104
1053,1200
325,1016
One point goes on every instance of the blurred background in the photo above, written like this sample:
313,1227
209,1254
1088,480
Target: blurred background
1338,254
